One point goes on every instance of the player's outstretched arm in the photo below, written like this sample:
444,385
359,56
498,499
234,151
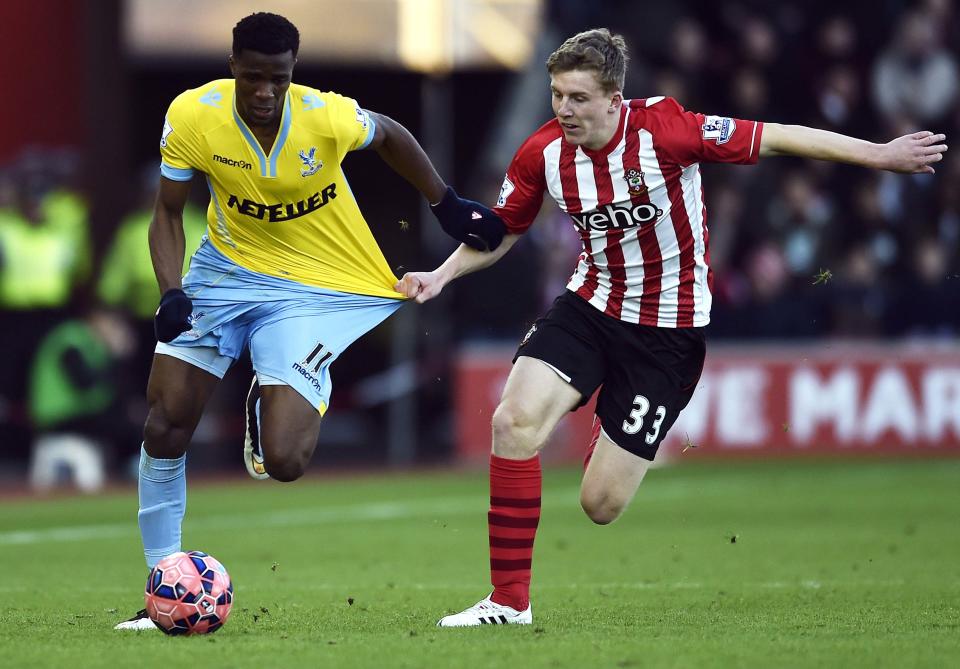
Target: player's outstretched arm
910,154
166,252
465,220
401,151
423,286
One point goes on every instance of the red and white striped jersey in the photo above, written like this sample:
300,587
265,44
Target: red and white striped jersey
637,204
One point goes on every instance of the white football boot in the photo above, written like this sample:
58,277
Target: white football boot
487,612
140,621
252,455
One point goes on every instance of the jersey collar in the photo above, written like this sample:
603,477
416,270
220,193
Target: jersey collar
268,164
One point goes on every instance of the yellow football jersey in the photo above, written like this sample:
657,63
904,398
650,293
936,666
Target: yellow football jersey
291,213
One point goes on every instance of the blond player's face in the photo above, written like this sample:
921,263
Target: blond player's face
587,114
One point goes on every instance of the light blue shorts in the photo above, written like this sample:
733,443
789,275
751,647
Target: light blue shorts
294,331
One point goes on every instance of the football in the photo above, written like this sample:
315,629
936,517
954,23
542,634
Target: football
189,593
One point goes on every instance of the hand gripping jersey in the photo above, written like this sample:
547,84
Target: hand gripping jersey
288,212
637,204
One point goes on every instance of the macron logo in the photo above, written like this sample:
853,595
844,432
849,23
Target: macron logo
475,215
309,377
230,162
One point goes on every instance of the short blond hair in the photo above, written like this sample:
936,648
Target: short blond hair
598,50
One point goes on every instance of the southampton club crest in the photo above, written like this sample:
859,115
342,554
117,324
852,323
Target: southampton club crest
310,163
635,183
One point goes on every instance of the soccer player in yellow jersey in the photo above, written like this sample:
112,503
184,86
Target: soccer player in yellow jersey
289,267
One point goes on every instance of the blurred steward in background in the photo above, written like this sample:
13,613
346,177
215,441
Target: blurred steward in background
75,401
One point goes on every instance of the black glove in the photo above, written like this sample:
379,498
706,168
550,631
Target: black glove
469,222
173,315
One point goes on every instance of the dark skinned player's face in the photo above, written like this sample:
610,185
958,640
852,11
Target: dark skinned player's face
262,82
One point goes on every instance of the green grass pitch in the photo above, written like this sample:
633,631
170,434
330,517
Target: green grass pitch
775,564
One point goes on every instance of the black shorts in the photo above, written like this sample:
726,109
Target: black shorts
646,375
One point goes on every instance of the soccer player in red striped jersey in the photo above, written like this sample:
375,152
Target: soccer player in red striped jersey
630,322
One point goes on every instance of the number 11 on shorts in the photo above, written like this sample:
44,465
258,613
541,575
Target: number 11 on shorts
313,355
634,422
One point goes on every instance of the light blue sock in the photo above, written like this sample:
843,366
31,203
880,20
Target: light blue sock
163,500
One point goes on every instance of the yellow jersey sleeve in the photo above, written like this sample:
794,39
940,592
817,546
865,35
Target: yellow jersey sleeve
180,151
350,123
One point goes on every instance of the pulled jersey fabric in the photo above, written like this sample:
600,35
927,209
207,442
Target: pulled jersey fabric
287,212
294,332
637,204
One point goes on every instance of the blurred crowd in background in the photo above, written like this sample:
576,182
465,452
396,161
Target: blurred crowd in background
799,249
886,244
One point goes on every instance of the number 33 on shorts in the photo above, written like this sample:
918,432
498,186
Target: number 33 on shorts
634,422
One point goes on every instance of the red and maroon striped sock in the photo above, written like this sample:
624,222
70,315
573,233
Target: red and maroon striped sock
512,520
